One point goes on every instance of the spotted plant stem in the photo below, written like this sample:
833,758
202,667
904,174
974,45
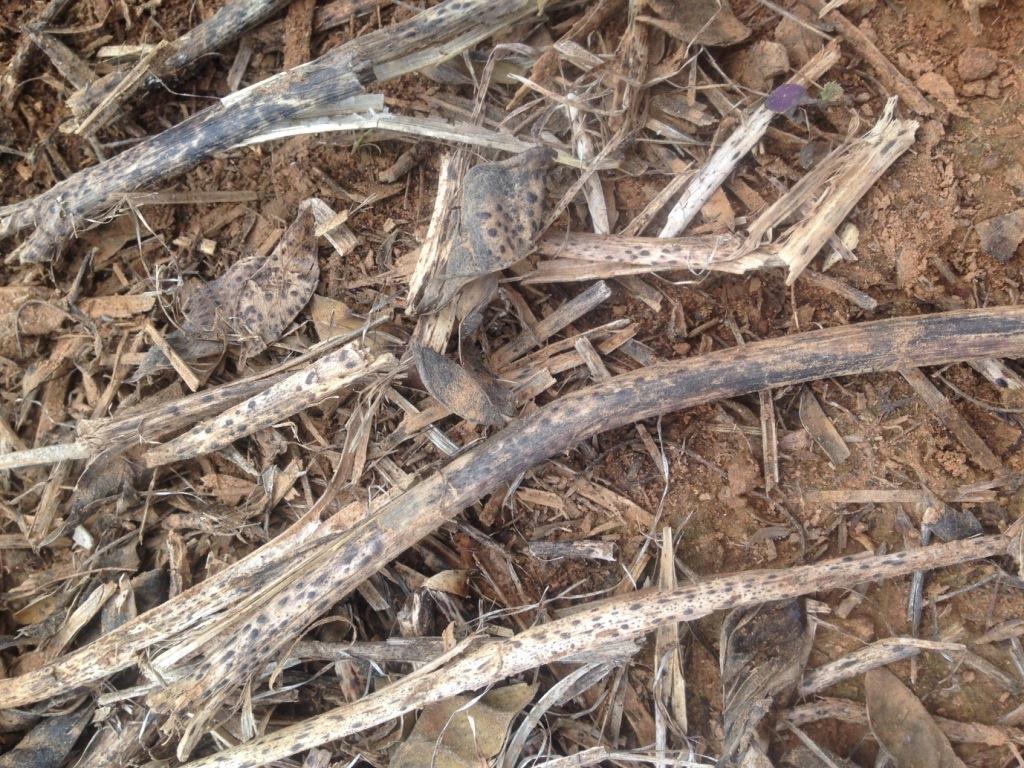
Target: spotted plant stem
628,617
740,142
318,87
353,556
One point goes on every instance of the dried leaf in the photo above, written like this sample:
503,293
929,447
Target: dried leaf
1002,235
250,305
26,311
453,582
821,428
903,726
762,655
701,22
461,732
332,318
49,743
503,207
459,391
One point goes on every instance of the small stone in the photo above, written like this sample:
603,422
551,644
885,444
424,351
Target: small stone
976,63
1014,176
992,90
1001,235
757,65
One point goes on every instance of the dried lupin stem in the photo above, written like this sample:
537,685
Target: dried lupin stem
582,256
623,618
303,389
841,183
886,651
325,84
733,149
657,389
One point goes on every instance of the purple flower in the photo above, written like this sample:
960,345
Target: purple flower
786,97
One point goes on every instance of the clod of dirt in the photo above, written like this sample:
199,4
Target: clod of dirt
251,304
763,653
699,22
800,43
976,63
903,726
937,86
759,64
1001,235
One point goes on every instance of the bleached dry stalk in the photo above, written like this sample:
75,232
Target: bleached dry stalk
878,654
449,132
152,424
228,23
624,618
733,149
852,174
352,556
854,712
303,389
583,256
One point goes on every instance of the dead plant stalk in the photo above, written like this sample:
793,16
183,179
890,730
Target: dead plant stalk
352,556
624,618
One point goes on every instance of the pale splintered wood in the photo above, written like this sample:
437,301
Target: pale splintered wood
400,522
626,617
303,389
569,312
582,256
855,171
878,654
735,148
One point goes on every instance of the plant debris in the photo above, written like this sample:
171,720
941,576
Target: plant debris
511,383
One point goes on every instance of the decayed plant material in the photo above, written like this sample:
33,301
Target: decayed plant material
327,85
627,616
903,726
460,731
763,651
250,305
